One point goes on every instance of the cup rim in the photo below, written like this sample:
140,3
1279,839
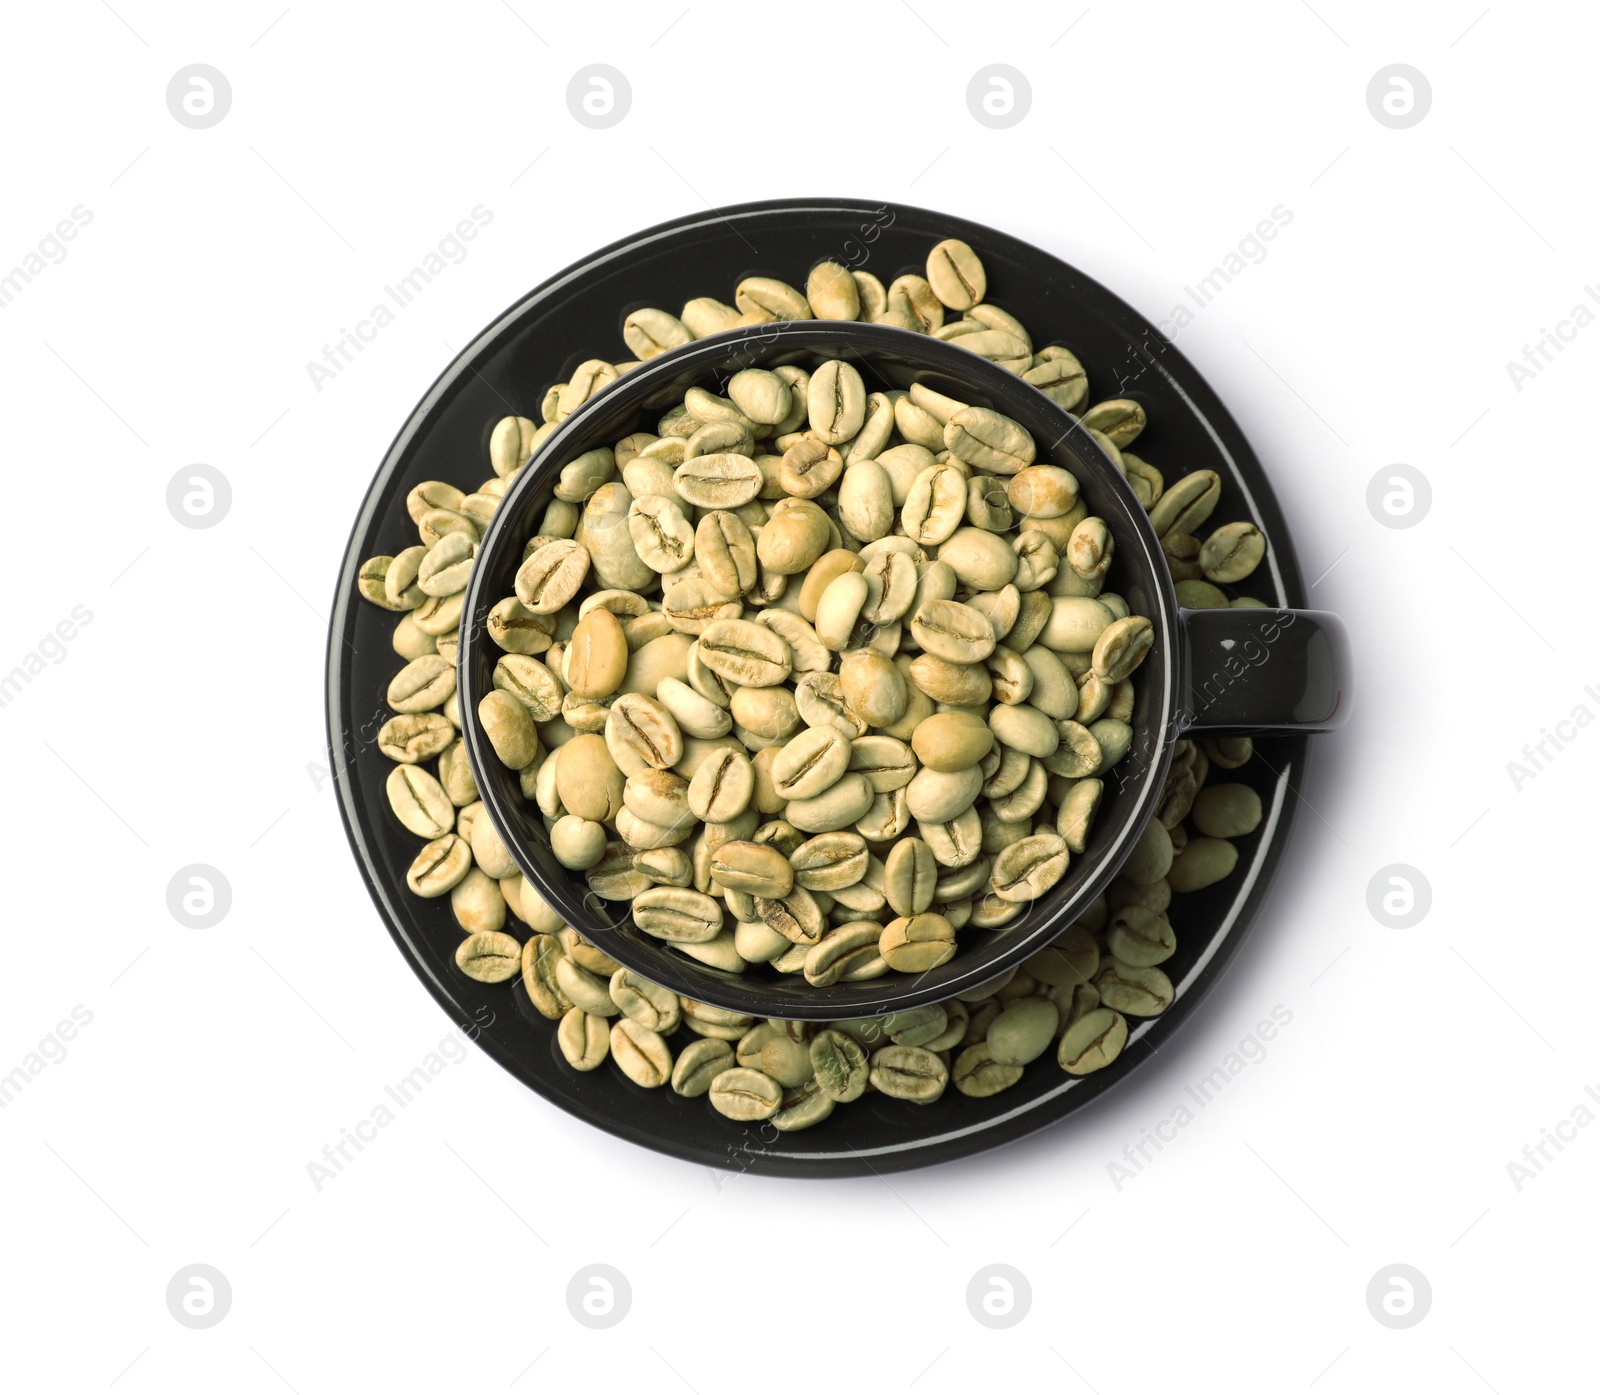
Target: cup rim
1008,393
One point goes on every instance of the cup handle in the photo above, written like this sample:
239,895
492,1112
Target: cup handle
1254,669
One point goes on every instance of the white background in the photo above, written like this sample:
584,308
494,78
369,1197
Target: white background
185,723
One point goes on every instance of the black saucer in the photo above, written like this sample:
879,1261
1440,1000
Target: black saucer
507,369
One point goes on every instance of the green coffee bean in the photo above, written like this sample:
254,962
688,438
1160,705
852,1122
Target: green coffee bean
980,1015
802,1107
677,914
1201,595
1075,817
1229,752
1232,552
840,1065
643,1055
1074,1002
646,1003
1203,863
768,1048
1079,753
770,299
1120,418
698,1064
830,861
371,582
1023,1031
1140,937
1186,504
439,866
436,494
988,441
837,401
510,729
410,643
955,1028
1227,811
415,737
915,944
714,1021
1140,992
916,1026
956,275
455,774
1029,867
1092,1042
540,956
584,1039
447,566
517,629
419,801
910,875
651,332
832,292
1151,858
422,684
1059,375
531,683
720,952
745,1095
796,916
842,952
978,1075
587,990
908,1073
477,902
594,959
489,956
1073,958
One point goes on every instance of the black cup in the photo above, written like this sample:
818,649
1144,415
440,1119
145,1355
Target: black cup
1209,672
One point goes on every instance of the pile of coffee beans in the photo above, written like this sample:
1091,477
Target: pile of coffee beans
821,731
752,649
